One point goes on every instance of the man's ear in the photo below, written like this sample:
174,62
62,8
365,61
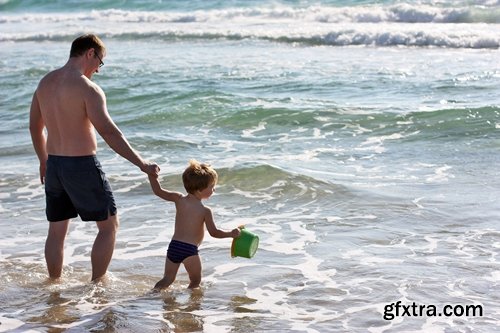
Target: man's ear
90,53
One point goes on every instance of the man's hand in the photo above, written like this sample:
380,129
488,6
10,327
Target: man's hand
43,168
151,169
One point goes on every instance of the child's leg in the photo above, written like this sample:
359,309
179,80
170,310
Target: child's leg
193,268
169,275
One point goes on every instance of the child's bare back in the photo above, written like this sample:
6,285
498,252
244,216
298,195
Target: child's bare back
190,219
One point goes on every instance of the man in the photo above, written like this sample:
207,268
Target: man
71,108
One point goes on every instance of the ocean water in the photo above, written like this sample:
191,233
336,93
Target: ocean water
359,139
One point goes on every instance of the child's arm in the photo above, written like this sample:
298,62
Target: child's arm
162,193
216,232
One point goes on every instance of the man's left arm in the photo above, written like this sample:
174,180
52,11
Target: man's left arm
105,126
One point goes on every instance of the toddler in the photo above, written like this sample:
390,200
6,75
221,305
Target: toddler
190,220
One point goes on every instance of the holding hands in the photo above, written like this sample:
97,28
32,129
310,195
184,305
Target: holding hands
151,169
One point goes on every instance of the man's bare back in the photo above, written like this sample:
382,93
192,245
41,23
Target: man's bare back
64,96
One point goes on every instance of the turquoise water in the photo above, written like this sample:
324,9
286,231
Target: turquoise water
358,139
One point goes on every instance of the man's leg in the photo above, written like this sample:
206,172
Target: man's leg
54,247
104,245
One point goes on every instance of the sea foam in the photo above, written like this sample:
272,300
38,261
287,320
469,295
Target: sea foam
395,25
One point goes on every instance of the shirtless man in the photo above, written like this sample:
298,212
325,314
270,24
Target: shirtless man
71,108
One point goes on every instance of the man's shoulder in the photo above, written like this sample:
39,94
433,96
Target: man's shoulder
92,86
67,78
49,77
86,87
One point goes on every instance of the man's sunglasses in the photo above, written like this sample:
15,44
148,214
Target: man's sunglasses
100,60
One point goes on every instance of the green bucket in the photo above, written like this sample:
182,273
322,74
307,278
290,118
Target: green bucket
245,245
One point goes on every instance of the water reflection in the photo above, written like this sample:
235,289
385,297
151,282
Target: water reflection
58,311
178,313
250,323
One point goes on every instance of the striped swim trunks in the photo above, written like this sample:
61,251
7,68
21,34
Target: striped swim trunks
178,251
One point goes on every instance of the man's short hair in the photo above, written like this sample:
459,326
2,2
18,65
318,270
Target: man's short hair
86,42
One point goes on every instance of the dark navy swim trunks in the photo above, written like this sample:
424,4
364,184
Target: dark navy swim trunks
178,251
76,185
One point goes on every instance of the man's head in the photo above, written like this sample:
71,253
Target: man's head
86,42
88,50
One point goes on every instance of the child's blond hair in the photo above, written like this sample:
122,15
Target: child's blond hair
198,176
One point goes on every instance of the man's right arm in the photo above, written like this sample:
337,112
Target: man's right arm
38,138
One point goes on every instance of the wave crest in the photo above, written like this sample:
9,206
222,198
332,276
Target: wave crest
396,25
400,13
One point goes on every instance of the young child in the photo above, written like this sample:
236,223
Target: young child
191,217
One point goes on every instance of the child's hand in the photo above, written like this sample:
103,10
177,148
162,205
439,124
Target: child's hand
151,168
235,233
153,176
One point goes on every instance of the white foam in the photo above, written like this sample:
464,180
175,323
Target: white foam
31,190
493,277
417,202
249,133
380,139
404,24
433,243
440,175
405,12
8,324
